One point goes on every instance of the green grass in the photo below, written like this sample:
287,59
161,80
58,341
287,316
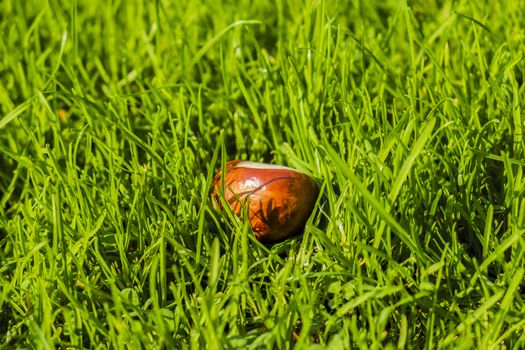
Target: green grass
115,115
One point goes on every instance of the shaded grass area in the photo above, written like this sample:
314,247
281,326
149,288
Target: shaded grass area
114,117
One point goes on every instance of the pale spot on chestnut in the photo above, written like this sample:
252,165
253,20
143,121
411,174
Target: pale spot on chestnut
280,199
252,182
254,165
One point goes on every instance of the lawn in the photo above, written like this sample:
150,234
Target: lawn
115,116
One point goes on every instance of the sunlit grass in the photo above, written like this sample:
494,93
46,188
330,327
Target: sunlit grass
114,117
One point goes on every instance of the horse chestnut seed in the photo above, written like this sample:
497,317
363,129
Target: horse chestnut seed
279,199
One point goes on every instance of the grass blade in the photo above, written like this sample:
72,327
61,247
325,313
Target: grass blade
378,207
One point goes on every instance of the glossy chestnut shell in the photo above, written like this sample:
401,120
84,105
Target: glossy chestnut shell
279,199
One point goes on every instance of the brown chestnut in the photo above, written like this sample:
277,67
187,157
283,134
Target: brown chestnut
280,199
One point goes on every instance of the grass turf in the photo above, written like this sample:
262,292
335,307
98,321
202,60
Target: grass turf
114,115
